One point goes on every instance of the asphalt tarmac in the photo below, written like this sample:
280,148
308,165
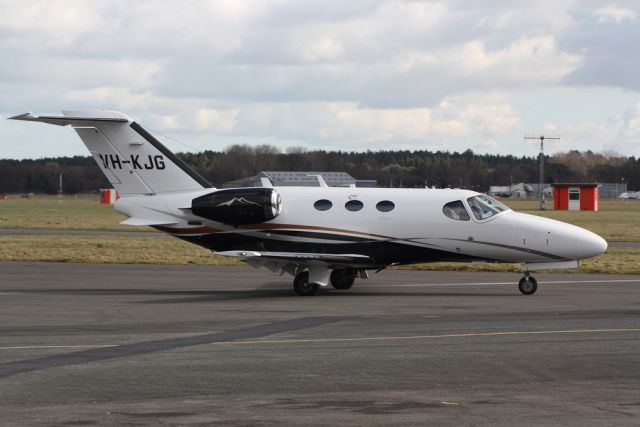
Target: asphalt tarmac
133,344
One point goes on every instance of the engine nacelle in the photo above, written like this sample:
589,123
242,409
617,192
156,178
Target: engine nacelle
238,206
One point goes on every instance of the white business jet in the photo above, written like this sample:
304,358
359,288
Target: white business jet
320,235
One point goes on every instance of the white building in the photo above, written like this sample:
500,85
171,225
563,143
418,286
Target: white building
301,179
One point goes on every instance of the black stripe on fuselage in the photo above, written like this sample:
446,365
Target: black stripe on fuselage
515,248
164,150
380,252
341,237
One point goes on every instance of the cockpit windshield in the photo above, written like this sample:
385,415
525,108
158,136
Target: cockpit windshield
484,207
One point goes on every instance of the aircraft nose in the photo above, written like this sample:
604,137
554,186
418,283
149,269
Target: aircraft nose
589,245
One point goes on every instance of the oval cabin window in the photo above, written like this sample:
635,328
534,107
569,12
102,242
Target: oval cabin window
385,206
323,205
354,205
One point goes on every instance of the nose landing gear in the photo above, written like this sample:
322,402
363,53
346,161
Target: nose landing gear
528,284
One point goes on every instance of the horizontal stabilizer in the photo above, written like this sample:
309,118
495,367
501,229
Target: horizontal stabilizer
86,118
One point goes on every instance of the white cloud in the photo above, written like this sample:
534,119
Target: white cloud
81,73
620,132
51,24
612,14
318,49
632,124
477,116
525,61
488,146
166,113
482,119
169,122
354,75
219,121
354,124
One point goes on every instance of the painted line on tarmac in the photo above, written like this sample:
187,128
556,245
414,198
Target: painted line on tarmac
53,347
427,285
594,281
429,337
358,339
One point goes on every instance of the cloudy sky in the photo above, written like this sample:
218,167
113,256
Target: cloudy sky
350,75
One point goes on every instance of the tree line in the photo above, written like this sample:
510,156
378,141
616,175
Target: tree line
392,168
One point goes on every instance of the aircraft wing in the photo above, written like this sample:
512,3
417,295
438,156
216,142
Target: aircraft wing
145,221
296,256
317,264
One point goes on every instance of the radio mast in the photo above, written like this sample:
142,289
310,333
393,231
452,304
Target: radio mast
541,138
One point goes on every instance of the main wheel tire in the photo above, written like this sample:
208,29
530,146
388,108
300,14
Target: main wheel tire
343,278
528,285
302,286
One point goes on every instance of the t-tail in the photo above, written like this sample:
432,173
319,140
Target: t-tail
133,160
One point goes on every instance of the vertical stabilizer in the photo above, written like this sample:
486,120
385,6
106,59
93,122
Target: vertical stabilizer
129,156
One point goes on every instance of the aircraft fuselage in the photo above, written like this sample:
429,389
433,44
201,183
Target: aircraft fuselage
391,226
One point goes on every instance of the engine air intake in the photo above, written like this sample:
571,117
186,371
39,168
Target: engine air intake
238,206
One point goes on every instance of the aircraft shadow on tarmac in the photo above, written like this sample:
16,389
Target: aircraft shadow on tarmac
145,347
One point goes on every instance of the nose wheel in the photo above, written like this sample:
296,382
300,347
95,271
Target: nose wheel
528,285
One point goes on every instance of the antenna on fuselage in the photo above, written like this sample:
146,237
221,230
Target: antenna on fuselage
541,138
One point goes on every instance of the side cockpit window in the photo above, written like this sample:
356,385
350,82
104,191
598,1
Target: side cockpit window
456,210
484,207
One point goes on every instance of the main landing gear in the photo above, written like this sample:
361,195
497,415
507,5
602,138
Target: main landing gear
302,286
528,284
341,278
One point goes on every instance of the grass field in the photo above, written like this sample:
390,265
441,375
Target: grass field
166,250
68,213
617,220
108,250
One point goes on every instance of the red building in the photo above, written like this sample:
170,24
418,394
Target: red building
575,197
108,196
